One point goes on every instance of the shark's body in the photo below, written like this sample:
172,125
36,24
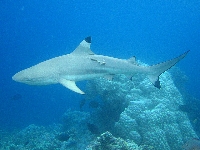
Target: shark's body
83,64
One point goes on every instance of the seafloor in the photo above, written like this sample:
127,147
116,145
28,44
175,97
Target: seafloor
126,115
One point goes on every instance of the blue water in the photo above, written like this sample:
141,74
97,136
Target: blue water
33,31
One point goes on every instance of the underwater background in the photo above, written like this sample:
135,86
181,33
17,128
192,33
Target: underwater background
37,30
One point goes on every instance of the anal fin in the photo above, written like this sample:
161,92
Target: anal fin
71,85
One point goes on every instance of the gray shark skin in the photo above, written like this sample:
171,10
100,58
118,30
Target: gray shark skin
83,64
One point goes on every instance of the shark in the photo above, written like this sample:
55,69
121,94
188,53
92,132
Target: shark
84,64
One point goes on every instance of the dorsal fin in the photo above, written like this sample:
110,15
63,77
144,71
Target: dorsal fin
84,48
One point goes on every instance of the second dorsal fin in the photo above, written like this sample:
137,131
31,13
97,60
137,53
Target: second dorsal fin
132,60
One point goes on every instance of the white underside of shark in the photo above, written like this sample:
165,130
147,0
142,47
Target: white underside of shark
83,64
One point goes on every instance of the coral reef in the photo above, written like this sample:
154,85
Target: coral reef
107,141
113,98
47,138
32,137
78,124
192,108
152,117
75,132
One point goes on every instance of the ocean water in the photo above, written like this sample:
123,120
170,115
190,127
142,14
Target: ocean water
34,31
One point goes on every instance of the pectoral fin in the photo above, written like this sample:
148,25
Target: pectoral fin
71,85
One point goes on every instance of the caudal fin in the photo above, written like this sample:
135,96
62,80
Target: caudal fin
158,69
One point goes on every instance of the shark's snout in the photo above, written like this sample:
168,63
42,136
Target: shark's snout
29,77
14,78
17,77
21,77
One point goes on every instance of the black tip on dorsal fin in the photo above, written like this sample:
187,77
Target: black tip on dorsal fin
88,39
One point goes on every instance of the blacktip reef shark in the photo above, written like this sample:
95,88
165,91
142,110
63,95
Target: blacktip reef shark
83,64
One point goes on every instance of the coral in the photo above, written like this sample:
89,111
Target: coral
32,137
71,119
78,124
63,136
113,98
152,117
107,141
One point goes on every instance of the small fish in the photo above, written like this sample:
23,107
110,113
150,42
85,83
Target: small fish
192,144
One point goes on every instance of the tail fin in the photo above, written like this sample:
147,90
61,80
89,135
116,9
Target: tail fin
158,69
